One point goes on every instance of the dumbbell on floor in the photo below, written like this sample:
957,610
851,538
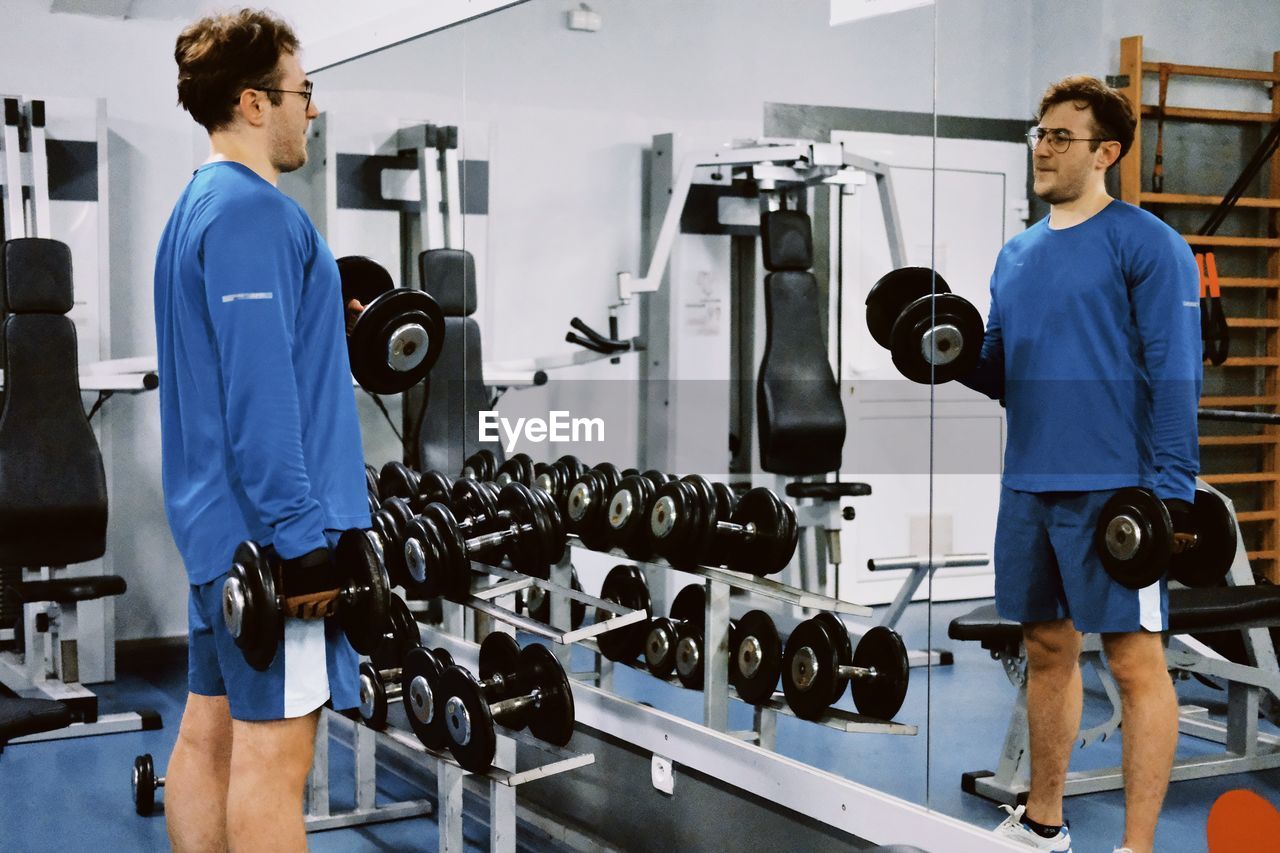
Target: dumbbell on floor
934,335
145,783
1137,542
760,538
819,662
252,608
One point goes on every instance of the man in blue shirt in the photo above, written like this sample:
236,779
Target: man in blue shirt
260,436
1093,343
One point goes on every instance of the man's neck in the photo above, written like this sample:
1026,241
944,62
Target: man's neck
1073,212
224,147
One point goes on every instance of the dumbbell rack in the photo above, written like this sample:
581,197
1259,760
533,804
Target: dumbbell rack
716,690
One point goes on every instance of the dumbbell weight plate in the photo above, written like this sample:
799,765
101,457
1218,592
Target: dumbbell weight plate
690,656
481,465
1134,537
839,634
426,566
1209,561
443,656
401,636
531,551
473,499
397,480
371,482
539,603
261,625
396,341
373,698
518,468
809,662
552,721
364,614
468,723
776,534
660,647
624,585
455,566
559,539
690,604
629,507
420,683
679,523
396,515
586,510
500,655
433,486
757,655
937,339
144,785
895,291
881,697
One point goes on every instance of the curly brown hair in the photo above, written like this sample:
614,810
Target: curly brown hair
222,55
1112,114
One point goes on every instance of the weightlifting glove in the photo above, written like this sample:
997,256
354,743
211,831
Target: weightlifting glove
311,585
1184,534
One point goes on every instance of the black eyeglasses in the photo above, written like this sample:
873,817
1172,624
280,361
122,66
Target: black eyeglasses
1060,138
306,93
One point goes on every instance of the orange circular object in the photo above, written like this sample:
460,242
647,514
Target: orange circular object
1242,822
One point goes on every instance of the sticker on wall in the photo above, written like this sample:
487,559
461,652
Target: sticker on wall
844,11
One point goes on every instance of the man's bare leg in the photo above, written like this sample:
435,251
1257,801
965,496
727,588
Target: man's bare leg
1054,700
1150,730
195,800
270,761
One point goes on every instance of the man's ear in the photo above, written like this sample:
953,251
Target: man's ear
1110,155
249,107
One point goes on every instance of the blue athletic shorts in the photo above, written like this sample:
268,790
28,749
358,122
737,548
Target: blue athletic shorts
313,664
1047,567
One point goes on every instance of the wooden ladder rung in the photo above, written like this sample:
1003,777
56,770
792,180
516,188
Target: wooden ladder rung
1238,440
1239,479
1261,556
1235,242
1250,361
1220,402
1211,71
1259,515
1205,200
1208,115
1253,323
1246,282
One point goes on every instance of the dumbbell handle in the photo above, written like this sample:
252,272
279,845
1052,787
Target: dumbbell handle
498,537
390,676
748,529
515,703
857,671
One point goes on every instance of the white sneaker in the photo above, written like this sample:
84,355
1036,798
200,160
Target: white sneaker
1015,830
1123,850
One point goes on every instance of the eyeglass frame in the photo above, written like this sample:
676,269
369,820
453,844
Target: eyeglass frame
1038,134
307,92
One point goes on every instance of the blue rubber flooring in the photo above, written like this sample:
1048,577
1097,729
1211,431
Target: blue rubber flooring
74,795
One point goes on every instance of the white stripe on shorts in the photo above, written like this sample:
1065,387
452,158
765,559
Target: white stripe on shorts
1149,607
306,666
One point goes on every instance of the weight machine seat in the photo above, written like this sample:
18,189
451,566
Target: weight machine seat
455,389
66,590
801,418
827,491
53,489
1228,608
20,717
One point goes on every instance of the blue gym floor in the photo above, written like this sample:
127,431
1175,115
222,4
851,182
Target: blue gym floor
74,795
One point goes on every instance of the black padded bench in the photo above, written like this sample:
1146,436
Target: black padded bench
1190,610
20,717
69,590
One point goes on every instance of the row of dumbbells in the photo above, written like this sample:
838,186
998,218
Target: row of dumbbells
816,664
448,707
689,521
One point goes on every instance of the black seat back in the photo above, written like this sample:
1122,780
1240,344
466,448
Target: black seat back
456,393
53,489
800,418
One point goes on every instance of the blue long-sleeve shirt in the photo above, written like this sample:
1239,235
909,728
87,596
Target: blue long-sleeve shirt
1093,343
260,437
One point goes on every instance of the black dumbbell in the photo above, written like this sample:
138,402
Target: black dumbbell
381,676
531,690
557,478
518,468
401,635
397,338
819,662
629,508
145,783
756,652
438,550
663,640
419,689
481,465
933,334
371,486
389,523
397,480
625,585
1137,542
253,610
760,538
432,486
586,511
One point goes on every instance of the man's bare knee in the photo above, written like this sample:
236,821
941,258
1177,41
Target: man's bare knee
281,749
1052,645
1136,660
